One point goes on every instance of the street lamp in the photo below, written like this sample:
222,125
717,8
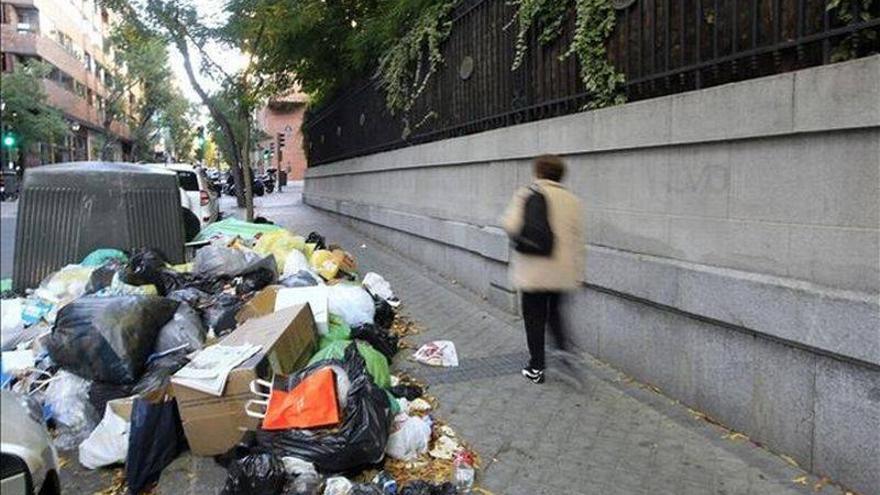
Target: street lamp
74,127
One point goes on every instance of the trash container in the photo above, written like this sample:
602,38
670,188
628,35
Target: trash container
68,210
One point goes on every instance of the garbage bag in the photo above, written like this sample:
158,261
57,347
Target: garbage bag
108,442
220,261
156,438
259,472
312,403
382,340
148,267
366,489
101,393
323,262
108,339
358,441
302,477
352,303
302,278
102,276
157,377
295,262
11,324
337,330
280,244
220,312
380,287
100,257
183,330
317,239
383,313
258,275
409,437
233,227
190,295
408,392
425,488
118,287
376,363
67,398
65,285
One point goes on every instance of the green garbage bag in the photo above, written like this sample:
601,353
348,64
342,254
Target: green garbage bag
5,285
393,403
100,256
377,364
234,227
339,330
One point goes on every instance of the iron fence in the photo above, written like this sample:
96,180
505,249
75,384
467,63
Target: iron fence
661,46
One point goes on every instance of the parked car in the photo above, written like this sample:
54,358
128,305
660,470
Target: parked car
196,192
28,458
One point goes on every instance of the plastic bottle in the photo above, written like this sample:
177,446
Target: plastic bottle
464,474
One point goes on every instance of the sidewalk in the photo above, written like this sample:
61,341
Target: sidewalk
615,438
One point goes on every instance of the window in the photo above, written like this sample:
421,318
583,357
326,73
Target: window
6,59
28,19
80,89
87,61
90,97
188,180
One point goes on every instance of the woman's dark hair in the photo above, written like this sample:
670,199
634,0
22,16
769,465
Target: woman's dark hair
549,167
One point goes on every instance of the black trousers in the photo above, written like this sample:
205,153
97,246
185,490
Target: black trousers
542,311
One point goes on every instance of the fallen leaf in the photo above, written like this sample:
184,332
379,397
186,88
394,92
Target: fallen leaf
734,436
789,460
800,480
824,480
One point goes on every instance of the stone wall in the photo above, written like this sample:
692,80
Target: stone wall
733,245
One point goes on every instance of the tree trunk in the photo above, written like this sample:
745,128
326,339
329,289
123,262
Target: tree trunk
241,184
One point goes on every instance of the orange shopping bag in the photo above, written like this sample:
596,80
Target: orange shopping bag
311,404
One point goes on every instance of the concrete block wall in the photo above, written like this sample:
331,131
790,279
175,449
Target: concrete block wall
733,245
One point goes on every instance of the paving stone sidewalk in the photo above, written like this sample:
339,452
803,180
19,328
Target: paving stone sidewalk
615,437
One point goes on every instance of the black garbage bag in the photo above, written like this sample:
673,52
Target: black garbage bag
257,276
408,392
156,438
220,312
157,377
190,295
101,393
425,488
258,472
102,277
184,329
361,437
108,339
381,340
148,266
366,489
317,239
384,313
302,278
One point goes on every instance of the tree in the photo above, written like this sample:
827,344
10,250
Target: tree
25,115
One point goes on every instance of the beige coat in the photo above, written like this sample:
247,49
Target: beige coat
564,269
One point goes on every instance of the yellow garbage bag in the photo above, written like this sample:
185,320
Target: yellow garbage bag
279,243
309,249
322,261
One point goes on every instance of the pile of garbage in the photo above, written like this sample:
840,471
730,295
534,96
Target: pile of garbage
268,351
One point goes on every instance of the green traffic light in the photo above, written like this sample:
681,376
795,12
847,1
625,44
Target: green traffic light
9,141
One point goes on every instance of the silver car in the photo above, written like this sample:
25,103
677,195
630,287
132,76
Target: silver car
29,462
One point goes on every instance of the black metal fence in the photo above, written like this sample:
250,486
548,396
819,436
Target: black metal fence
661,46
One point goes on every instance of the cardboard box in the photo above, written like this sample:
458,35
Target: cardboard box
213,424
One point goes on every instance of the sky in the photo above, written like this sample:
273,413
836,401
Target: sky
230,58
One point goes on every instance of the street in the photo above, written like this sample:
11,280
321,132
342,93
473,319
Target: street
617,437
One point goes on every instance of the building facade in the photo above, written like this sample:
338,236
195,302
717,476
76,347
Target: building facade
282,149
72,36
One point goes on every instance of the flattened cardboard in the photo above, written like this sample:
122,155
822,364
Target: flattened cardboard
213,425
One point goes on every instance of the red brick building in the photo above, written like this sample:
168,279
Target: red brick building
281,119
73,38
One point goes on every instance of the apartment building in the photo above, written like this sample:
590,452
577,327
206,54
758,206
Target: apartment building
72,36
281,119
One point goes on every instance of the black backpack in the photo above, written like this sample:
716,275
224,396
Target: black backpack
536,237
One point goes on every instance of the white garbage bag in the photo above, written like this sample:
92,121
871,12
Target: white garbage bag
295,262
11,324
68,398
381,288
338,486
108,443
409,437
352,303
437,353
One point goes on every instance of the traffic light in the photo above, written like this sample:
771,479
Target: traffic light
266,154
280,140
9,140
200,136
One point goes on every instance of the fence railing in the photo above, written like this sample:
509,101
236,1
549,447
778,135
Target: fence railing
661,46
